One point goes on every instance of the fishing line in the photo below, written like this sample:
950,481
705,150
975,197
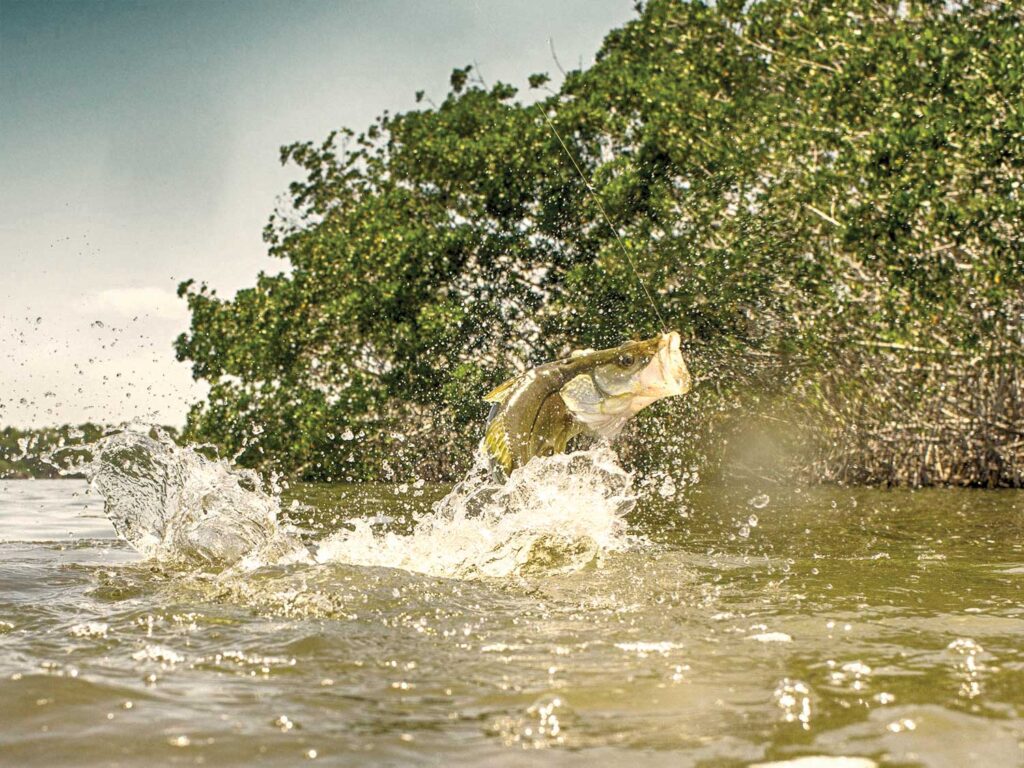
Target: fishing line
597,199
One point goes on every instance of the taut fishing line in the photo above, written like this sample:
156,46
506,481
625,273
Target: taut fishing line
597,199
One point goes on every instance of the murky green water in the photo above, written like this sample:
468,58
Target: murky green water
736,629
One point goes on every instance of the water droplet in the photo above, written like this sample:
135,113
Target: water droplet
793,697
667,489
284,723
760,501
903,724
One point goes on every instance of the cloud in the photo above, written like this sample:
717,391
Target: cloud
148,300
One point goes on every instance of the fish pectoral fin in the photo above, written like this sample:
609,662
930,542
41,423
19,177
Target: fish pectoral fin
502,392
496,443
549,446
552,427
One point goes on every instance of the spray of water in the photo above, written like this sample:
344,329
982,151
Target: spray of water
174,504
558,513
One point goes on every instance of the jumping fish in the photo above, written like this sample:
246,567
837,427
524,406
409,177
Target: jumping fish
589,392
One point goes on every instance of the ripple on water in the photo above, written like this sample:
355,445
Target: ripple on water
929,735
641,655
820,761
545,723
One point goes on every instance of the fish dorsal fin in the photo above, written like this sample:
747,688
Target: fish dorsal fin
502,392
496,442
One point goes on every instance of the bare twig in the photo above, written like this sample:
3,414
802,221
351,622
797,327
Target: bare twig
768,49
551,45
822,215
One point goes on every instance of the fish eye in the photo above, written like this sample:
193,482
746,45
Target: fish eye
626,360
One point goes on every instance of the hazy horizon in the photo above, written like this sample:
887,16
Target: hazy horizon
139,147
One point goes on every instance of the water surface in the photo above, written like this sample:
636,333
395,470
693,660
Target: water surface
739,626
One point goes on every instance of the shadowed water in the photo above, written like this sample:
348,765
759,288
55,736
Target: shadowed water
721,626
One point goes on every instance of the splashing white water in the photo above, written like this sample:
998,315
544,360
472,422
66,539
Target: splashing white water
559,513
174,504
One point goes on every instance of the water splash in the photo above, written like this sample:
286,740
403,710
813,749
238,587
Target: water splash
558,513
172,503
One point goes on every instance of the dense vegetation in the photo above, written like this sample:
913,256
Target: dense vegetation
825,199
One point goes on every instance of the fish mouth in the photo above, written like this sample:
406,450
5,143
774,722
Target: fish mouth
666,375
604,413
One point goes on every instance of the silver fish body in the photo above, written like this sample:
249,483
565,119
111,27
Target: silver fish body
591,392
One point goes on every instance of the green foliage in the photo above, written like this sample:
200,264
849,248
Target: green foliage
793,180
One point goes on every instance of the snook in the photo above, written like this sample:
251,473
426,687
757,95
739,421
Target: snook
593,392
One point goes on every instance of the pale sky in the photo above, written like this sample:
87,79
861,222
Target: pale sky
139,147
